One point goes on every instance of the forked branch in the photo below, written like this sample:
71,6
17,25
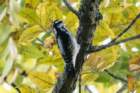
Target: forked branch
99,48
114,41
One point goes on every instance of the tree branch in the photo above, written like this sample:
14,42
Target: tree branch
99,48
127,28
71,8
114,41
66,83
115,77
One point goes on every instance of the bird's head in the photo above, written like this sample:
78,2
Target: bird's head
58,25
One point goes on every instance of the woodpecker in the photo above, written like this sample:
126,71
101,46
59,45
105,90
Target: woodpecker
66,43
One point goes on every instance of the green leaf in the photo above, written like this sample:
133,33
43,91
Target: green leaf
29,34
104,78
9,59
30,15
5,31
30,51
3,11
120,68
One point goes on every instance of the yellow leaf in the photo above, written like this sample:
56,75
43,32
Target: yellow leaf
48,12
43,80
7,88
131,83
26,89
134,63
29,34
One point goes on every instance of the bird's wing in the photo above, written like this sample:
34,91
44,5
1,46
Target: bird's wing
61,46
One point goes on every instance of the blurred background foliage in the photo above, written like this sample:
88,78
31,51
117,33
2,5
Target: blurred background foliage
27,45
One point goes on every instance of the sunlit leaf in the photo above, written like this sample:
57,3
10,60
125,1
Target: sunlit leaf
5,31
30,51
29,35
26,89
7,88
3,11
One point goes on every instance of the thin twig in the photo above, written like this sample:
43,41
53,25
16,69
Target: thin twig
87,88
122,88
71,8
14,86
98,48
127,28
115,77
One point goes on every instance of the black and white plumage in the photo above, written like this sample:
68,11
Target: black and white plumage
66,43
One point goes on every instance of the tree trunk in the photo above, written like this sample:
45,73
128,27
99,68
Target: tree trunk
88,20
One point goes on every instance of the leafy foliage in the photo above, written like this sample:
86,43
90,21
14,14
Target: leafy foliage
26,44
